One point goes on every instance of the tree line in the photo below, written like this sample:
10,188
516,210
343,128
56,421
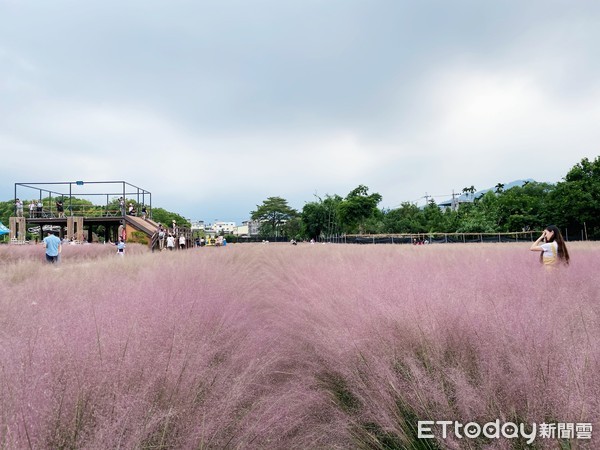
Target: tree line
572,204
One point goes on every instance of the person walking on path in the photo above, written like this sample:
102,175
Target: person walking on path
170,242
552,247
161,237
53,247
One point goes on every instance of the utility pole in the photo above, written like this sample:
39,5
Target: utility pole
453,201
427,198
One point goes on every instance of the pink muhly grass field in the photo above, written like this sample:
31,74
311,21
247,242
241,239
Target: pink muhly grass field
276,346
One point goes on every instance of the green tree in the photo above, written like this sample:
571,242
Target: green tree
375,224
433,218
273,212
469,190
313,219
320,218
7,209
165,217
357,207
478,217
523,207
408,218
574,203
451,221
73,206
292,228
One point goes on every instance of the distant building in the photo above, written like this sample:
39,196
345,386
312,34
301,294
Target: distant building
248,228
241,230
197,225
253,227
455,203
223,227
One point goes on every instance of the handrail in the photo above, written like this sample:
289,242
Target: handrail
85,212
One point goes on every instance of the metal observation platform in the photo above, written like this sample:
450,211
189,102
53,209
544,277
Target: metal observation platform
59,206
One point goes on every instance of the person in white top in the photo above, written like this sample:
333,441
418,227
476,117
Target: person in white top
182,242
19,206
170,242
552,247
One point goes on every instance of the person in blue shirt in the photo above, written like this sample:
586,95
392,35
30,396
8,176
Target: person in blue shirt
121,247
53,247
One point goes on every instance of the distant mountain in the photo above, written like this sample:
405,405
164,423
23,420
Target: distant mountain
470,197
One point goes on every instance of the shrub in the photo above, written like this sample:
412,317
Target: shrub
138,237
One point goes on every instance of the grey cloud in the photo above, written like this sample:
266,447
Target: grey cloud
224,79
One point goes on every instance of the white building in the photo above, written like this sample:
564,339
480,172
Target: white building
197,225
253,227
224,227
241,230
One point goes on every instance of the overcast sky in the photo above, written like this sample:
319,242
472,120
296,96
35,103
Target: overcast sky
215,106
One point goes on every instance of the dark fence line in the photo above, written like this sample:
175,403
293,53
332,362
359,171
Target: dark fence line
420,238
437,238
240,239
446,238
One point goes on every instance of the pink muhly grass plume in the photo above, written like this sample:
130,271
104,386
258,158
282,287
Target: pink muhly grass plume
313,346
10,254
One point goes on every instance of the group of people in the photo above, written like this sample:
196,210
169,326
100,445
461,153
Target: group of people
212,241
169,238
131,211
36,209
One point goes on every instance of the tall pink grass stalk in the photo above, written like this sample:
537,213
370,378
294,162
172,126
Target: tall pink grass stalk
274,346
